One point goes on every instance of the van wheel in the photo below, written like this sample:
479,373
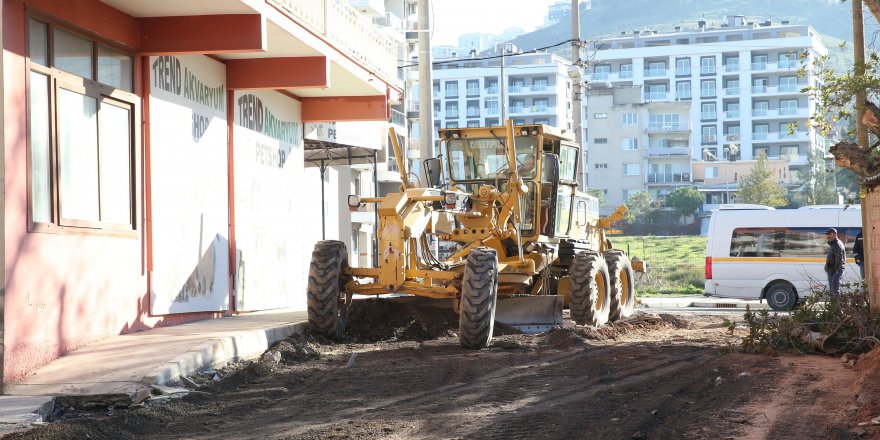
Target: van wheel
781,297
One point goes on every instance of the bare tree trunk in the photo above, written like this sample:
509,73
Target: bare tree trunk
874,7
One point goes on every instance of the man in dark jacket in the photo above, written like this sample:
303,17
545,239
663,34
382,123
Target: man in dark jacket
834,261
858,251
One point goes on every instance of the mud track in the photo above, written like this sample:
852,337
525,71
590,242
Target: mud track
663,377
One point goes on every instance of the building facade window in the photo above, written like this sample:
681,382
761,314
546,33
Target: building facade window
473,124
601,72
760,108
708,111
631,169
629,118
600,141
82,130
601,166
711,172
451,110
473,87
788,84
709,134
630,144
600,115
788,107
452,89
707,65
682,67
707,88
626,71
683,90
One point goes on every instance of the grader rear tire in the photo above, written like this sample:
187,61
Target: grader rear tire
589,300
326,308
479,296
620,277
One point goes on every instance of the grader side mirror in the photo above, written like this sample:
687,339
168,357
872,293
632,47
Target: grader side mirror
432,171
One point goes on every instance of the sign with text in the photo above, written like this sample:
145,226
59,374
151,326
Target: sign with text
189,185
270,215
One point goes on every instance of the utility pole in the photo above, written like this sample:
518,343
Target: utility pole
576,101
426,85
862,139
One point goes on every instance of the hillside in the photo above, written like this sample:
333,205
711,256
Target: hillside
610,17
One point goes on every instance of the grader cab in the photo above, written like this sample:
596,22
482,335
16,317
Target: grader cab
525,242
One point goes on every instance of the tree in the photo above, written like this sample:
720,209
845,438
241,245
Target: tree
817,184
759,187
598,193
685,200
640,205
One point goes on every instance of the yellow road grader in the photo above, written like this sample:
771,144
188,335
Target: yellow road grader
524,241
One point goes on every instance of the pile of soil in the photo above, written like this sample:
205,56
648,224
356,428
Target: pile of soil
394,319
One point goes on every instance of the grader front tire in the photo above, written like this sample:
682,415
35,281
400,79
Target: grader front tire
327,313
479,296
620,276
589,299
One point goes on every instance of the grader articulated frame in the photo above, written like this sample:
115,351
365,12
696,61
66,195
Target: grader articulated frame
527,242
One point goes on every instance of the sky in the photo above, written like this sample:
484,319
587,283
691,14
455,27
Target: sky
453,18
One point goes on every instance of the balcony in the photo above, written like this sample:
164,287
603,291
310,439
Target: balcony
517,110
682,71
667,151
731,67
653,73
599,76
668,127
656,96
759,89
517,88
493,111
663,178
345,28
760,65
732,137
473,92
731,114
625,74
760,112
492,90
763,136
398,118
731,91
539,87
451,114
707,70
473,112
708,116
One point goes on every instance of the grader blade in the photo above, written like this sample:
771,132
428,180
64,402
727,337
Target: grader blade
530,314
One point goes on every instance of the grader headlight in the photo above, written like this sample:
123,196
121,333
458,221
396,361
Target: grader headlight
450,200
354,202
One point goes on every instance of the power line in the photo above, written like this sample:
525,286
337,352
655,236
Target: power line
492,57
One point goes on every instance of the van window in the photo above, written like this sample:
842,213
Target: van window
786,242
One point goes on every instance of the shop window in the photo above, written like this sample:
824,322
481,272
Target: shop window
81,133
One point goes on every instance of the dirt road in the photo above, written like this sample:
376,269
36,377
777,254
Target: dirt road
659,377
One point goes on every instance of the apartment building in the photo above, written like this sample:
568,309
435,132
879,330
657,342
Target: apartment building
530,88
661,105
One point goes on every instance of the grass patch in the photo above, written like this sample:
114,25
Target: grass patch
676,265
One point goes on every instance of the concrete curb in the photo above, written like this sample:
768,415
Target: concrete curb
221,351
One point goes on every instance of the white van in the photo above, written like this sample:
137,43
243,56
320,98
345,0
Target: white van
777,255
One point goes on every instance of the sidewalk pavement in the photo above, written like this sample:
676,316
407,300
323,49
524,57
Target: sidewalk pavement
117,368
699,302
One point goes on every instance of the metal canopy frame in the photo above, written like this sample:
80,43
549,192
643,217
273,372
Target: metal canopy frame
322,154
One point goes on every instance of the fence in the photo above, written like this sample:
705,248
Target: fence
676,264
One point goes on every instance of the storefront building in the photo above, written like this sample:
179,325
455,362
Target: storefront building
154,159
